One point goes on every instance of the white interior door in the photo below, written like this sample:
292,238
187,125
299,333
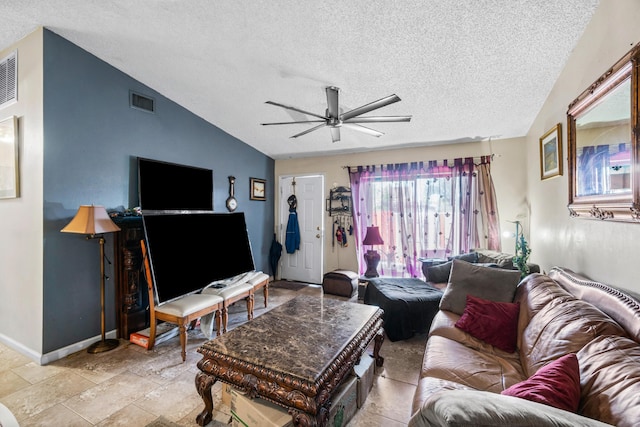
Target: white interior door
305,264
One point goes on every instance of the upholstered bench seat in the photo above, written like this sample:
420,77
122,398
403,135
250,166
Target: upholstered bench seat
188,304
230,291
231,294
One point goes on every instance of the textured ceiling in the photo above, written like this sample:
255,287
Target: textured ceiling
465,70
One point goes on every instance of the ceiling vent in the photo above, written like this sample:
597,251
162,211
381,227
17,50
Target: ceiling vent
9,79
142,102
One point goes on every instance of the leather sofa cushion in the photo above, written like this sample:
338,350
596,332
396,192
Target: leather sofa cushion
452,361
493,284
428,386
558,323
443,325
610,380
480,408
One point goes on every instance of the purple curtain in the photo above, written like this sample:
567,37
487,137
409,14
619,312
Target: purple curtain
425,209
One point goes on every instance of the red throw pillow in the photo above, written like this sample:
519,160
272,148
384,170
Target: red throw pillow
556,384
495,323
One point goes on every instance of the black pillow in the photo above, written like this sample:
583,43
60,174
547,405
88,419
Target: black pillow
471,257
439,273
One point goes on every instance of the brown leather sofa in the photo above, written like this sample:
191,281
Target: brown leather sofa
461,376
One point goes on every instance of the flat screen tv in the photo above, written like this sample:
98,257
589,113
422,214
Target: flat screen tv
164,186
189,251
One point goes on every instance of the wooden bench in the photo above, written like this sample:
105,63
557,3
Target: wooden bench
181,311
261,280
241,290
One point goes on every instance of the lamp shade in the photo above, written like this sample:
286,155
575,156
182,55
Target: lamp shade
373,237
91,219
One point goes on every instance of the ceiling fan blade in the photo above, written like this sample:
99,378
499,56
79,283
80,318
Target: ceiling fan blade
288,107
332,102
363,129
379,119
293,123
335,133
308,130
370,107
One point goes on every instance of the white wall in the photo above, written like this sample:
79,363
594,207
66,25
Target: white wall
604,251
21,245
507,170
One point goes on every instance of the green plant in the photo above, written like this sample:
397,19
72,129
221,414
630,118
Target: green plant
522,255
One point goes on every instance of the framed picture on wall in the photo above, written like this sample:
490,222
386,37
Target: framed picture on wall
551,153
9,184
257,189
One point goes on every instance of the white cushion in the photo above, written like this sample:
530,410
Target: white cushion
258,278
230,291
189,304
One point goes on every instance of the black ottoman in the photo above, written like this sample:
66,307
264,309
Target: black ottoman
409,304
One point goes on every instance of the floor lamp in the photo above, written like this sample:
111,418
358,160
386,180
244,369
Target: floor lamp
94,221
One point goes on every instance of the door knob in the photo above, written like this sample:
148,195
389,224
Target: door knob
318,236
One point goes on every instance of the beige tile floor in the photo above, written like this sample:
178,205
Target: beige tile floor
130,386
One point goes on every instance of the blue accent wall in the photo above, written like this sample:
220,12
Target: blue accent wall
91,140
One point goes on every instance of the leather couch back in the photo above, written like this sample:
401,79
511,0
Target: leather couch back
619,305
567,313
553,322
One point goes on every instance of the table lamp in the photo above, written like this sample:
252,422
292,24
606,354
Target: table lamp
372,257
94,222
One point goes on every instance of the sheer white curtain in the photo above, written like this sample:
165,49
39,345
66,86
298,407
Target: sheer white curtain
427,209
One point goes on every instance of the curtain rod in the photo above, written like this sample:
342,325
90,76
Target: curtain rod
451,161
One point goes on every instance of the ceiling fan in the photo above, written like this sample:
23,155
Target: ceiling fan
351,119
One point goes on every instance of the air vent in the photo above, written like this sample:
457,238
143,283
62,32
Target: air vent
9,79
141,102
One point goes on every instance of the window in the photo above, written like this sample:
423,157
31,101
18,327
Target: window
431,212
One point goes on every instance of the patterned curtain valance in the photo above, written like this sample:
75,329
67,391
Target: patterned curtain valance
423,165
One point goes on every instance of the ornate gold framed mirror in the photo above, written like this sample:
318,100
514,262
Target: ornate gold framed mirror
604,174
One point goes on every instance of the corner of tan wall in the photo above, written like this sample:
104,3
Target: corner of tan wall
601,250
507,171
21,228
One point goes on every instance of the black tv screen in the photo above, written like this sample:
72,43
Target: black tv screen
164,186
189,251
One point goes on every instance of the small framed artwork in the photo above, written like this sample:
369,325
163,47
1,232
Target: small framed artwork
551,153
9,184
257,189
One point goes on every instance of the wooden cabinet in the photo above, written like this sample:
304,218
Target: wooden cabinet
132,301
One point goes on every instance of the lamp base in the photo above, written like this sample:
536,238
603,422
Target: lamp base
372,258
102,346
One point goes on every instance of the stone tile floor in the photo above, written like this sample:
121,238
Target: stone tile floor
130,386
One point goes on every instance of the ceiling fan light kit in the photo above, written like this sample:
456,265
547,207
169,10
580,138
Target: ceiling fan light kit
351,119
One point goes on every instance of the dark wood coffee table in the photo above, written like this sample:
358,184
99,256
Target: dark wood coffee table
295,355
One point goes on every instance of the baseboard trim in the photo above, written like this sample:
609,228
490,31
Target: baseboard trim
20,348
44,359
73,348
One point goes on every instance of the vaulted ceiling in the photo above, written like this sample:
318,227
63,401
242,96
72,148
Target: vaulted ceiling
465,70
